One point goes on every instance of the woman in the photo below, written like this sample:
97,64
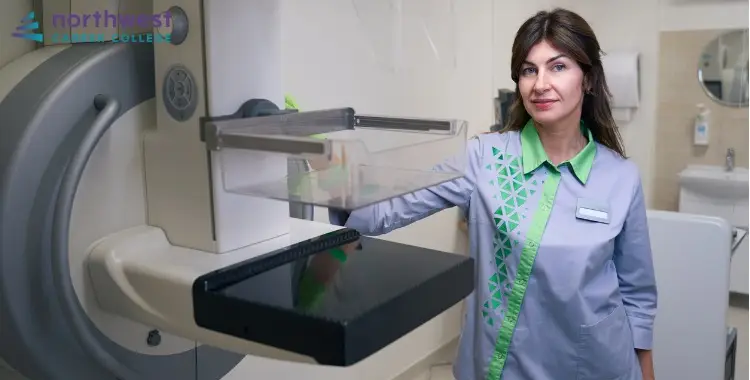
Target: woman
557,224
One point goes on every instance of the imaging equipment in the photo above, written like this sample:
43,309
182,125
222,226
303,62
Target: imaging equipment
503,102
142,248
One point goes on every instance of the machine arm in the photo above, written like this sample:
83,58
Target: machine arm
109,110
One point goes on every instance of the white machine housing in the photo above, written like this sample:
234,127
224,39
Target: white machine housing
691,261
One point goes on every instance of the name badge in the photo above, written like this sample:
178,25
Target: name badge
591,210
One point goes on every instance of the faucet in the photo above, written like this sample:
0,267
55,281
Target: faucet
729,160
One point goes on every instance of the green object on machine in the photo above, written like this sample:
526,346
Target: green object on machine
290,103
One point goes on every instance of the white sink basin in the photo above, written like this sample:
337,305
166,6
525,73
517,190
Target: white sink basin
715,181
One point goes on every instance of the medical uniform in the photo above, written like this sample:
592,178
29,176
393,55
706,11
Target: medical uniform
565,286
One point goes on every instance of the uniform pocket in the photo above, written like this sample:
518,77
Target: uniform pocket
605,349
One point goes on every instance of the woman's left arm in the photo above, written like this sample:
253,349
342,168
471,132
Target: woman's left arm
647,363
635,271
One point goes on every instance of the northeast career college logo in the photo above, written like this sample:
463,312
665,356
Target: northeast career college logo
28,28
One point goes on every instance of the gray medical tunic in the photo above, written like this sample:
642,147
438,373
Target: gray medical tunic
565,285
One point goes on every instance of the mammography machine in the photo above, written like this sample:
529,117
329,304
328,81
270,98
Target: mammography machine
133,248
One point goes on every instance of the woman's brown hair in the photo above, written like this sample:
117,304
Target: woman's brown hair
571,34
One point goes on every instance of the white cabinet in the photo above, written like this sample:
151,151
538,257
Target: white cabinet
712,191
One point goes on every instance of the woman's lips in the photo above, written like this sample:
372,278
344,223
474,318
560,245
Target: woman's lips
543,105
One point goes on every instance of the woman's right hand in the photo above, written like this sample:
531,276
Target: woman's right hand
323,163
332,175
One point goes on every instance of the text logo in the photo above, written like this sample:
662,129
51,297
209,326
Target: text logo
106,19
27,29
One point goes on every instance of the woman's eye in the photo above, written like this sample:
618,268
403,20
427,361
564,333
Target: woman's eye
528,71
558,67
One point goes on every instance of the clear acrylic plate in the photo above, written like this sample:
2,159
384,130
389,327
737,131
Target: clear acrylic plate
348,168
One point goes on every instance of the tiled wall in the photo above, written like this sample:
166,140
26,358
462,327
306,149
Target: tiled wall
678,94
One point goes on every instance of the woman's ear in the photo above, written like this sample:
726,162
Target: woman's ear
586,85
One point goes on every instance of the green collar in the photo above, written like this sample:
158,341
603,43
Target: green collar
533,154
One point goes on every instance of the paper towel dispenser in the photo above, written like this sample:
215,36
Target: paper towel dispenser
622,72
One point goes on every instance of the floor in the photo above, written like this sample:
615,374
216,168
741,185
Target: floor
738,317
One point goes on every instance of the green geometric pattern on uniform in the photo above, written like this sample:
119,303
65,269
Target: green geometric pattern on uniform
513,191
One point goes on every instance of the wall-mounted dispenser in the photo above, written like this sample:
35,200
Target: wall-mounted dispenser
622,71
701,125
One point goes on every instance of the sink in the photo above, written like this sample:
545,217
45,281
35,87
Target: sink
715,181
713,191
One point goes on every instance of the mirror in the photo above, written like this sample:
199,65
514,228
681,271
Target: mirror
723,69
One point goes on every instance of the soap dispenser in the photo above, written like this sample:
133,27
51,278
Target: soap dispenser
701,126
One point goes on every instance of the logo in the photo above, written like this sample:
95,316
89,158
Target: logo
27,29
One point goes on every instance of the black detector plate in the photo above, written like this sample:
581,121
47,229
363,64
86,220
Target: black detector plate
305,299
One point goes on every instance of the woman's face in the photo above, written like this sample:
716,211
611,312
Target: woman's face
551,85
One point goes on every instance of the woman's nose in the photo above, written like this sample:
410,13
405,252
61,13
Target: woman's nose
541,84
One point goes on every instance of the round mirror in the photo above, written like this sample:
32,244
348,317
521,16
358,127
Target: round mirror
723,69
